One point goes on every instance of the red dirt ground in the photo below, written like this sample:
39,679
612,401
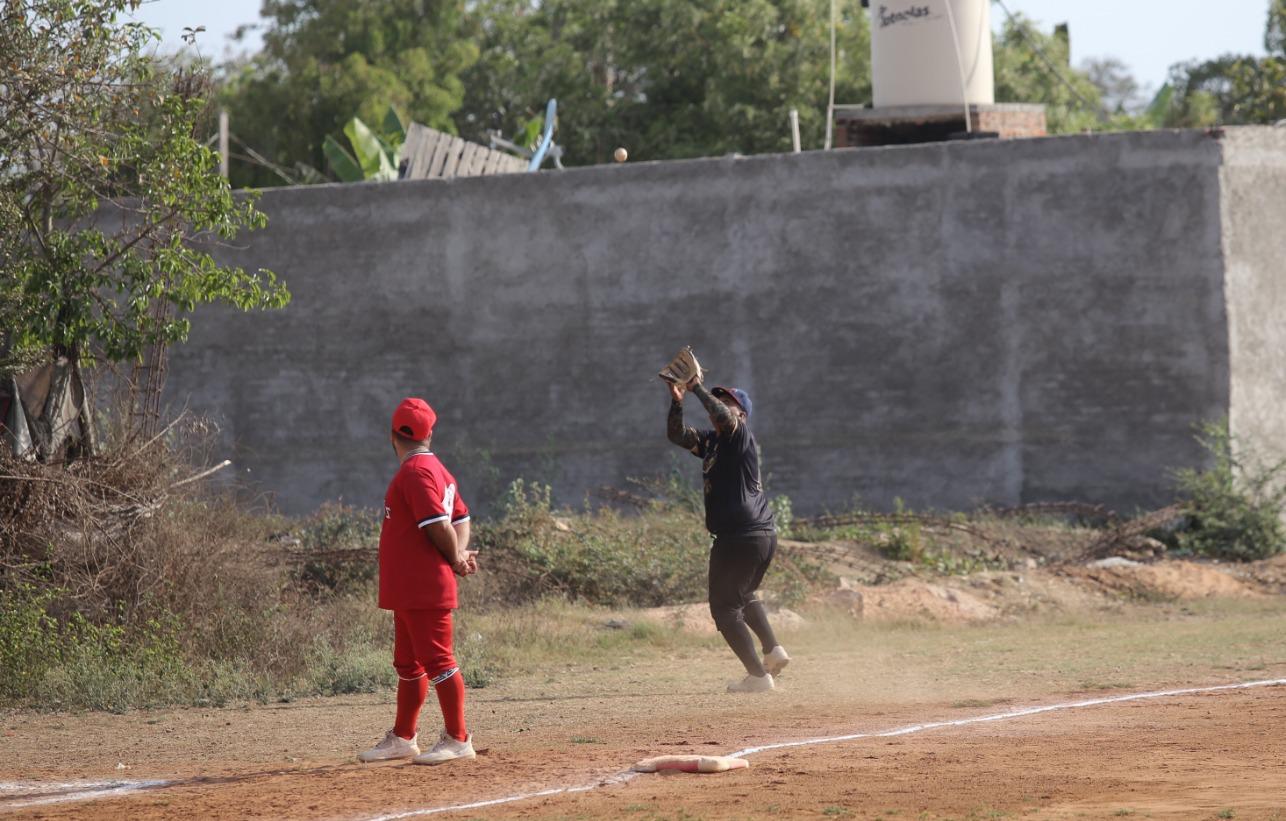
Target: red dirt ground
1185,757
1203,756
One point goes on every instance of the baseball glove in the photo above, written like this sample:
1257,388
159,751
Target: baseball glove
683,369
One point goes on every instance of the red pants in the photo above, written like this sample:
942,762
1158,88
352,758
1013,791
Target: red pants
422,643
422,654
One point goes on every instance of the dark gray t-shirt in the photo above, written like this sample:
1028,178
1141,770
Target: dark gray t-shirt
734,495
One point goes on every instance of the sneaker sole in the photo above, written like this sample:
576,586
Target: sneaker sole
776,668
738,691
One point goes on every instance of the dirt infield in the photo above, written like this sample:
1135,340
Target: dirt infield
1195,756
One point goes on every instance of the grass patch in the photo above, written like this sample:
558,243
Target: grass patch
554,631
603,557
1145,647
104,610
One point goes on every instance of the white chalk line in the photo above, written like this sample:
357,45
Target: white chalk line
46,792
621,778
43,793
1020,713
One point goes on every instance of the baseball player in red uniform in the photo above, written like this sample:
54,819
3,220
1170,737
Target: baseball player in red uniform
423,546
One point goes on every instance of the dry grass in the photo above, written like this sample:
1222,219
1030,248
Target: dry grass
124,586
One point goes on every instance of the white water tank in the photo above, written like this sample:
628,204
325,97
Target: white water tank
931,52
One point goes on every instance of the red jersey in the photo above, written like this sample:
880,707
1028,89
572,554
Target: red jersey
413,574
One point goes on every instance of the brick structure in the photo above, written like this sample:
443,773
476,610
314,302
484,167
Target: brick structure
901,125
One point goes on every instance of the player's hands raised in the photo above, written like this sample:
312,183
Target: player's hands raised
677,391
683,370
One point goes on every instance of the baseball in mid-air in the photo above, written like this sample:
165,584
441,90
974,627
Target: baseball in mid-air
621,155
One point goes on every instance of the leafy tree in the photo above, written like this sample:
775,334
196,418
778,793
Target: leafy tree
325,61
375,156
1119,91
1229,90
1234,89
108,197
1033,67
667,79
1275,31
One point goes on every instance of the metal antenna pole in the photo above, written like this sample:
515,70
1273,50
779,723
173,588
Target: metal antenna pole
964,86
830,105
223,143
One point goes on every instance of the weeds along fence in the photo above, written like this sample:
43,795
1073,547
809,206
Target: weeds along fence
124,581
94,528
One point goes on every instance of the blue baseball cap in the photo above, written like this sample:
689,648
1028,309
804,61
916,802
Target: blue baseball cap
738,395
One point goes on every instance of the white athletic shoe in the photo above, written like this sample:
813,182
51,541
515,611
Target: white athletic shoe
752,684
391,748
776,660
447,749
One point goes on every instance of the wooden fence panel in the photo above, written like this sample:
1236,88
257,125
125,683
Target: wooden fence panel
432,154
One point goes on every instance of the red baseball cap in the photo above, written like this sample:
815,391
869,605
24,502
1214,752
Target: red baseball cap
414,419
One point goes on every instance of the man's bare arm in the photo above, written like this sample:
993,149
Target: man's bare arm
725,421
462,536
470,560
442,536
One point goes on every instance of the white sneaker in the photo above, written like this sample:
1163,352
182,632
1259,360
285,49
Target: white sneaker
447,749
391,748
752,684
776,660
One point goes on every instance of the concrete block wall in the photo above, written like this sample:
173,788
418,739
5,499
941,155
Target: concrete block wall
949,324
1253,202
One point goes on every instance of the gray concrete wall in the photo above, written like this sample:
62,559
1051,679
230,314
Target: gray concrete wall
1000,322
1254,220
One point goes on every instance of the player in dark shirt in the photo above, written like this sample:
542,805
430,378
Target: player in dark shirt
739,518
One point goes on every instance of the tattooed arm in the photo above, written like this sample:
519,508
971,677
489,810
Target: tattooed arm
725,421
677,432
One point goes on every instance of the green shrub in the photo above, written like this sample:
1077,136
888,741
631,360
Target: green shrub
603,557
334,671
1233,508
28,638
72,662
783,515
337,547
900,541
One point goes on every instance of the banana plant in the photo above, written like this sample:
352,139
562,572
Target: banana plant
374,156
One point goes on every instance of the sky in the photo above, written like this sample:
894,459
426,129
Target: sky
1148,35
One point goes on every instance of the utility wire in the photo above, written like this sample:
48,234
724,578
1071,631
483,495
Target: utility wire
256,157
1053,69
